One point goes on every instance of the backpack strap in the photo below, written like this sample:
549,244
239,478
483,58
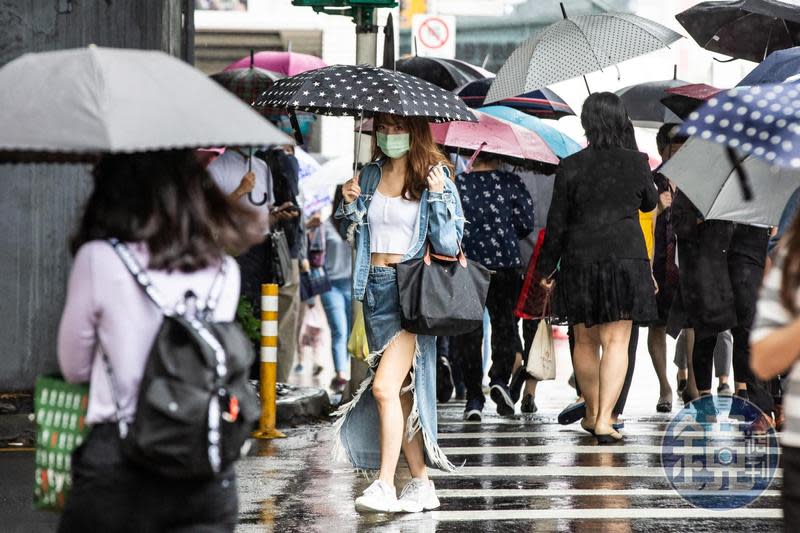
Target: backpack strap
215,292
140,275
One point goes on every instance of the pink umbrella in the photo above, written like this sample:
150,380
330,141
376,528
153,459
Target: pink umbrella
495,136
286,63
489,134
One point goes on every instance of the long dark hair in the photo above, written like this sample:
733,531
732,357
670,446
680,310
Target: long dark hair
424,152
791,266
606,123
167,200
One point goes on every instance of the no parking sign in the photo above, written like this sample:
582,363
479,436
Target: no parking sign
435,35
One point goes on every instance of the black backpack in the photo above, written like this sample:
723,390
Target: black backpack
196,407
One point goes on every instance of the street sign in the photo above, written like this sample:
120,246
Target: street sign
435,35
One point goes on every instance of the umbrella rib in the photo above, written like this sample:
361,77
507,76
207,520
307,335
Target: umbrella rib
586,38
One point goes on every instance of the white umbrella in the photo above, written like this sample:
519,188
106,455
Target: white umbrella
705,173
574,47
76,104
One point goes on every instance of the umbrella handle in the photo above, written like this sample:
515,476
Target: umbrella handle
252,201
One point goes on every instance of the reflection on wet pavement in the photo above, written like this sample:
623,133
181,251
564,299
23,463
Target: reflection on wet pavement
521,474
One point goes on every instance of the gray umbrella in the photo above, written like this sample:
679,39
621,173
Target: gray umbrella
72,105
644,105
574,47
705,173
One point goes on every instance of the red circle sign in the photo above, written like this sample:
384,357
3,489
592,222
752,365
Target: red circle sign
434,33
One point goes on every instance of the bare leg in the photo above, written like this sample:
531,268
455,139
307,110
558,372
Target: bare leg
657,346
614,337
413,449
392,371
691,385
586,360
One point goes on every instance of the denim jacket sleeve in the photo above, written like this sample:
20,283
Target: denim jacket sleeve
356,210
446,224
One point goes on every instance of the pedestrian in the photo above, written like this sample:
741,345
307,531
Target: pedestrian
723,355
540,186
665,268
400,203
243,177
594,245
166,209
284,168
775,351
337,302
500,213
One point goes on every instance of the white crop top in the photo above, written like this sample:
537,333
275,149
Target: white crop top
393,224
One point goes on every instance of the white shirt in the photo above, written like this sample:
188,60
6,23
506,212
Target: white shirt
393,224
228,170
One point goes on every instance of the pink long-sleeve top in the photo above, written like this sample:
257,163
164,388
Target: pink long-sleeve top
106,307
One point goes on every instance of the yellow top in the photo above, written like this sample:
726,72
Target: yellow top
648,223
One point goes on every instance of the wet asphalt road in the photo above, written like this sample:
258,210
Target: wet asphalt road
520,474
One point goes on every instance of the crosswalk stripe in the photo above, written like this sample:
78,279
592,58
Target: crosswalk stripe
578,432
513,472
577,449
548,493
607,514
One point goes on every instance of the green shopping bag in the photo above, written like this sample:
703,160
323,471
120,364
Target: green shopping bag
60,410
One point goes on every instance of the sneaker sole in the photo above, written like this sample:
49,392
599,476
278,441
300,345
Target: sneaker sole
505,407
362,508
473,416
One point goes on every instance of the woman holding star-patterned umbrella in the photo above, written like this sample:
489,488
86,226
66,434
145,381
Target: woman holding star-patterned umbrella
401,203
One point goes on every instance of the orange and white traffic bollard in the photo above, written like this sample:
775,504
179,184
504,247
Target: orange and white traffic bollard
269,362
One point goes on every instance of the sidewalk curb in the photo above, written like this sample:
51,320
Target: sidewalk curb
301,405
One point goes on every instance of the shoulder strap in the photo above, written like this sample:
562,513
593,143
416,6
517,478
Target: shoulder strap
140,275
215,292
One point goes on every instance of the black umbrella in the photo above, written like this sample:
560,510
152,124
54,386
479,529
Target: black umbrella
542,103
363,90
445,73
643,102
684,100
744,29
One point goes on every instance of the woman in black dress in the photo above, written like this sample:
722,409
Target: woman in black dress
604,281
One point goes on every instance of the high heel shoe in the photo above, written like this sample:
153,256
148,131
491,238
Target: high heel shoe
608,438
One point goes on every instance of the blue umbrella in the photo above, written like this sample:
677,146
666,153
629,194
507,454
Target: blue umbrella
776,68
561,144
761,120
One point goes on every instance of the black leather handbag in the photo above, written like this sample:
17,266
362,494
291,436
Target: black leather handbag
442,295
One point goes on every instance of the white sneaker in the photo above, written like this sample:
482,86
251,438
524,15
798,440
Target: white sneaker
378,498
418,496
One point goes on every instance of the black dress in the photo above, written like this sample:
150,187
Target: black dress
594,237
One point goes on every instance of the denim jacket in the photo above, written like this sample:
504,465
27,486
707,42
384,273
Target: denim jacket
441,221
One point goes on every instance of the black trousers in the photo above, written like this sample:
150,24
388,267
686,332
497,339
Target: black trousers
111,494
503,291
790,457
633,343
746,260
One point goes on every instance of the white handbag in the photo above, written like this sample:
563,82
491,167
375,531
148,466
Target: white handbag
542,357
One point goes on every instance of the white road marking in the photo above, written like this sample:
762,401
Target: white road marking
580,433
558,493
606,514
577,449
513,472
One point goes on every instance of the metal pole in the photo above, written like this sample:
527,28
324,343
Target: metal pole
269,363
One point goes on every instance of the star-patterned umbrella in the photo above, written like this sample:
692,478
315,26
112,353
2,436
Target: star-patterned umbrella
759,120
364,90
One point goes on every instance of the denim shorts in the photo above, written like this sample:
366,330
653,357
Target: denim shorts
381,307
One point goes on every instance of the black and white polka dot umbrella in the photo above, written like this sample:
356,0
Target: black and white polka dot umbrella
363,90
763,120
577,46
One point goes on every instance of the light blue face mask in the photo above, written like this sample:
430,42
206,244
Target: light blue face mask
394,145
